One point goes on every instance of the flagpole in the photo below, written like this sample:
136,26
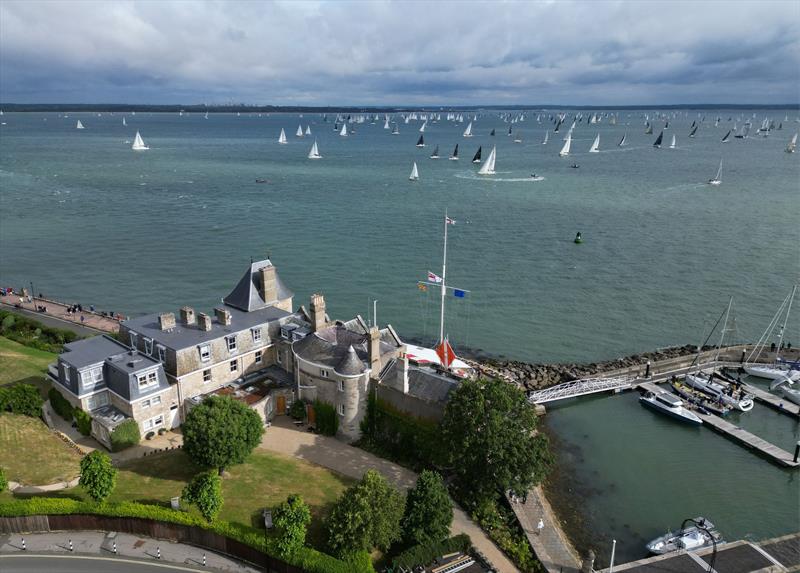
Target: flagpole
444,276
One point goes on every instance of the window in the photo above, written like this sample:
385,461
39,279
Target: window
96,401
148,379
258,356
162,353
323,373
341,385
205,352
92,376
66,372
231,340
256,334
234,365
153,422
145,404
148,346
207,375
155,400
340,408
279,357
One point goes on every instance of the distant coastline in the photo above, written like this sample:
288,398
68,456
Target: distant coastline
201,108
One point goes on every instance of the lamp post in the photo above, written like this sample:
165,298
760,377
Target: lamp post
613,552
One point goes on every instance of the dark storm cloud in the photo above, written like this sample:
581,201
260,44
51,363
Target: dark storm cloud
399,52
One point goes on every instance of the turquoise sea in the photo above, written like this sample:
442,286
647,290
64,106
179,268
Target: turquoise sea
85,219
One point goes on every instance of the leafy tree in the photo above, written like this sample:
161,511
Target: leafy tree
367,515
205,491
98,476
327,418
84,421
125,435
297,410
489,432
60,404
3,481
221,432
291,519
429,510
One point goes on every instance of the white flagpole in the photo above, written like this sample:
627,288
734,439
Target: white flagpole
444,275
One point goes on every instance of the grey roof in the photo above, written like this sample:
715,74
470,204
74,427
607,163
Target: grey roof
425,383
331,345
351,364
88,351
109,417
246,295
131,361
186,336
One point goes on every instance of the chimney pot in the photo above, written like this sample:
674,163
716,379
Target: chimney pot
187,315
223,316
166,321
204,321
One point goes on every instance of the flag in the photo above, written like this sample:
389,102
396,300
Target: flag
445,353
449,221
434,278
422,286
459,293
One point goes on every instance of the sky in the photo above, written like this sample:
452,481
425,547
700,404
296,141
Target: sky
311,53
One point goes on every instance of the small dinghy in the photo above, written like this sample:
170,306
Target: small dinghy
688,539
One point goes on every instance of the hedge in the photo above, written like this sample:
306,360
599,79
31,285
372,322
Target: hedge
21,399
60,404
83,421
125,435
306,558
401,437
426,553
33,333
327,419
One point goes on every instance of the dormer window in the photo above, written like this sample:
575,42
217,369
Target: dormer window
92,377
148,346
205,352
231,340
256,334
148,379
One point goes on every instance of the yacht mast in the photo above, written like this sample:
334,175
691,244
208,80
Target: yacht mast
444,276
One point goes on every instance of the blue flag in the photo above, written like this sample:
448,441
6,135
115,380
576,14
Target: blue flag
459,293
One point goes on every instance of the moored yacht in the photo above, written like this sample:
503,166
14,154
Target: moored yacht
726,394
689,538
670,405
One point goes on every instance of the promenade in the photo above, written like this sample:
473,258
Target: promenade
58,317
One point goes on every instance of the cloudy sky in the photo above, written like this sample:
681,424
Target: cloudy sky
397,53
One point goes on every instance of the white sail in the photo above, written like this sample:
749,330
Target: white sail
299,131
308,130
567,144
595,148
79,125
718,177
468,131
623,140
138,143
386,123
792,146
343,133
124,122
414,173
546,137
282,137
314,153
424,124
206,116
672,143
488,166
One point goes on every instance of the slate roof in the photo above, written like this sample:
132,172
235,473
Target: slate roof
246,295
88,351
351,364
425,383
331,347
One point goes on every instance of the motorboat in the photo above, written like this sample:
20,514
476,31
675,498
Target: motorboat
727,394
687,539
670,405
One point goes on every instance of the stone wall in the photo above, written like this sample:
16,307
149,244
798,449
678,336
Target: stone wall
411,405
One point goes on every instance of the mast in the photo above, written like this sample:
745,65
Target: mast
444,288
783,326
724,329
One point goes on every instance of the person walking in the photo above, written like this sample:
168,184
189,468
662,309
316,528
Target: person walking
539,526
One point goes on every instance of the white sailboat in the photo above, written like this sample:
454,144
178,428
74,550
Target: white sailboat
205,116
282,137
343,132
308,130
488,166
79,125
314,153
623,140
395,130
567,144
775,371
595,148
672,143
468,131
299,131
424,125
386,123
124,123
138,143
546,137
790,148
718,177
414,173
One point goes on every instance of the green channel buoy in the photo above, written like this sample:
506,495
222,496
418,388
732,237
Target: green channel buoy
578,239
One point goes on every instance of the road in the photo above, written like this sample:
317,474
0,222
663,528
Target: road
79,564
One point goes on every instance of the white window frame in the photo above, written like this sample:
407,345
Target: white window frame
91,372
145,404
205,352
341,385
234,365
231,342
132,337
324,373
153,423
67,373
100,396
340,409
256,332
258,357
210,376
155,400
148,345
150,379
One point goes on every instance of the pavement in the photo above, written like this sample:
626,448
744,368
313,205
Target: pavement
93,551
93,323
283,438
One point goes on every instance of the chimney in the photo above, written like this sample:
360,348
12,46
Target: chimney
402,375
223,316
204,321
187,315
375,351
269,284
166,321
317,312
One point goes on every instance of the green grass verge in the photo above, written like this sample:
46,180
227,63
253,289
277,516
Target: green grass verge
20,363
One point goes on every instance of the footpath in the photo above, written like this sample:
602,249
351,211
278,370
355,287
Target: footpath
100,545
57,316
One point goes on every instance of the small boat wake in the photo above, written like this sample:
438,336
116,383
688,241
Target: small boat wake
474,177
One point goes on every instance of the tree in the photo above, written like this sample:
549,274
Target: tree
367,515
125,435
291,519
205,491
221,432
489,432
3,481
429,510
98,476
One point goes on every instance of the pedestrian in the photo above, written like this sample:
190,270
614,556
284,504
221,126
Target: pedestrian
539,526
83,318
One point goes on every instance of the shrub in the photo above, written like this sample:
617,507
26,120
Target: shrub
297,410
125,435
33,333
327,419
84,421
60,405
425,553
7,324
429,510
162,431
149,435
3,481
98,476
291,520
205,491
21,399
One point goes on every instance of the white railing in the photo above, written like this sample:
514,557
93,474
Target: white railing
577,388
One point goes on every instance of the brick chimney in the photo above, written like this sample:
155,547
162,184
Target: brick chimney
166,321
204,321
187,315
223,316
268,289
318,321
374,351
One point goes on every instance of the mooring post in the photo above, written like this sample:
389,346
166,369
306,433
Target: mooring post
741,360
70,546
613,553
115,548
158,553
647,372
796,451
204,559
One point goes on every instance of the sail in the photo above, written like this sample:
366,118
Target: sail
488,166
718,177
792,146
386,123
282,137
509,131
649,129
622,141
596,145
468,131
299,131
138,143
343,133
79,125
435,154
206,116
659,140
421,141
567,144
477,157
492,133
308,130
445,353
672,143
454,156
694,130
395,130
124,122
424,125
727,137
414,173
314,153
546,137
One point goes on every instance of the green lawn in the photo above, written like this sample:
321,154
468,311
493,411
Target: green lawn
32,455
20,363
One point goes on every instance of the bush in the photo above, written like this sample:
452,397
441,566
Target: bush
33,333
429,510
327,419
125,435
3,481
205,491
149,435
84,421
291,521
424,554
21,399
98,475
60,405
298,410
